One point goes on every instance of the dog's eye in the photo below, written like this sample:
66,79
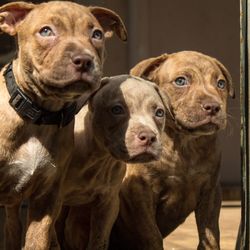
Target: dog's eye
117,110
159,112
46,31
180,81
97,34
221,84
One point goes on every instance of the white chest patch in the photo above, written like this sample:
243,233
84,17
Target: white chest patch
31,159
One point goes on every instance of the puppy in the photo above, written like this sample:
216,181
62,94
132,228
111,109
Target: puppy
157,197
122,123
60,57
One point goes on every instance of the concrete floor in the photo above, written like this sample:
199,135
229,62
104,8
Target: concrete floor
185,237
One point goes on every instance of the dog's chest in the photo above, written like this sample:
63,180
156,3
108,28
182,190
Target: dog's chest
183,177
29,165
95,182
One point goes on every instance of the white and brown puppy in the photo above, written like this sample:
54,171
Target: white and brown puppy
60,57
157,197
122,123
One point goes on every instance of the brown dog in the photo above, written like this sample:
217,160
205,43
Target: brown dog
122,124
157,197
59,59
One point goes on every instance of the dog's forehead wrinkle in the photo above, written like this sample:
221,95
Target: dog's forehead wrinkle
139,91
109,95
72,18
192,64
144,104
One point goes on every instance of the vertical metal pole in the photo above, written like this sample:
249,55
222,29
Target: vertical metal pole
246,89
243,236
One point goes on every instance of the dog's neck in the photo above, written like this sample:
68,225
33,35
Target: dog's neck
87,147
28,109
187,140
26,84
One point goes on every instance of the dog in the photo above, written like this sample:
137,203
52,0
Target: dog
157,197
59,62
122,123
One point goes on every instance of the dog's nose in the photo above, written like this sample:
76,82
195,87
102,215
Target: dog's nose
83,62
146,138
211,108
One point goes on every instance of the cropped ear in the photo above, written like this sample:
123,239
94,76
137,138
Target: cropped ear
228,77
110,22
147,67
12,14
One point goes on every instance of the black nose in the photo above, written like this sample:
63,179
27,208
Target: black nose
83,62
211,108
146,137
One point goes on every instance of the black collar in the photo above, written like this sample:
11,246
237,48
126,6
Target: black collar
27,109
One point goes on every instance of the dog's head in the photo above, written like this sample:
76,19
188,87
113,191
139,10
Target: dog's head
128,116
60,45
197,87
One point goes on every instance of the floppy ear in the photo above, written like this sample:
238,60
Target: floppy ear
104,81
227,76
110,22
165,100
12,14
147,67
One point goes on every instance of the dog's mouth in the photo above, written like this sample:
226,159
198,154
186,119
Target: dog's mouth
209,125
79,81
72,87
143,158
146,154
139,155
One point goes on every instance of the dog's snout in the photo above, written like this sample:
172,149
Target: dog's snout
146,137
211,108
83,62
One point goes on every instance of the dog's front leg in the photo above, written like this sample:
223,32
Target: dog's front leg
136,225
103,217
12,228
207,220
41,220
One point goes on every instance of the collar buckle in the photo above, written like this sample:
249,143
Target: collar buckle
23,106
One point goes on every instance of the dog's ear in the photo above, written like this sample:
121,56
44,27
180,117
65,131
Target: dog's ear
110,22
12,14
165,100
228,77
147,67
104,82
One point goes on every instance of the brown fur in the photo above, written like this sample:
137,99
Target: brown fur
103,143
157,197
34,158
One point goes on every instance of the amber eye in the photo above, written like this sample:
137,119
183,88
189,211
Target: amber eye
221,84
46,31
180,81
159,112
117,110
97,34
